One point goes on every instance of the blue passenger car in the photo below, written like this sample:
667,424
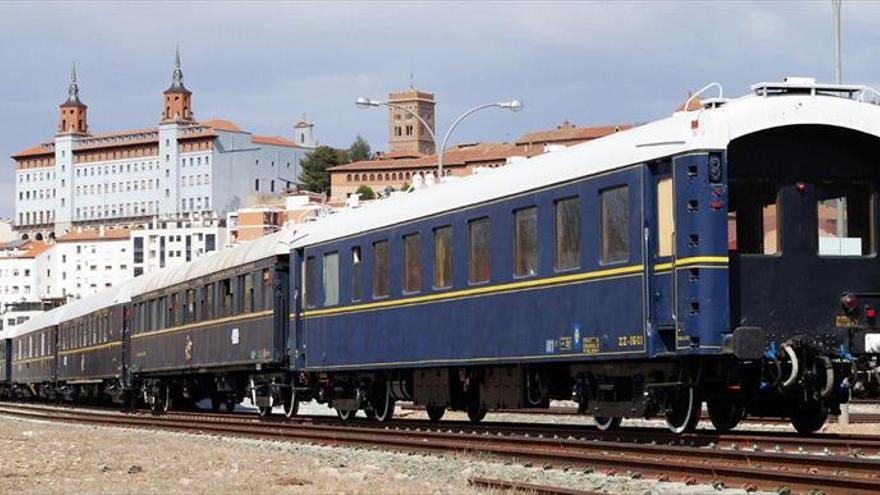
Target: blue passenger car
640,274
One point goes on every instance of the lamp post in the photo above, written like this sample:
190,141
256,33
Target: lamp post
513,106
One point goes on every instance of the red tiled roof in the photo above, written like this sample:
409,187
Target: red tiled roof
567,133
40,149
394,155
222,125
457,156
95,235
34,248
274,141
137,137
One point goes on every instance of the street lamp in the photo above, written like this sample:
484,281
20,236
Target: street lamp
512,105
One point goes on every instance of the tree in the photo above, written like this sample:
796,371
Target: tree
405,187
365,192
360,150
315,174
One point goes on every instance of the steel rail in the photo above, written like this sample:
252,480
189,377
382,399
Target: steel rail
831,474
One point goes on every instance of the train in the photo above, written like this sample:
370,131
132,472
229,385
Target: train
725,255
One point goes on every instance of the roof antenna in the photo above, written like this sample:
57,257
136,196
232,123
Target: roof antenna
411,77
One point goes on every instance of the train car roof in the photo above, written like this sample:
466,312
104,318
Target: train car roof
112,296
261,248
708,128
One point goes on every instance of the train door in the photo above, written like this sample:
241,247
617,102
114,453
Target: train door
281,305
661,246
690,280
126,345
296,338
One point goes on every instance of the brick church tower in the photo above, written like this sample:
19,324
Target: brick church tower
72,116
178,99
406,135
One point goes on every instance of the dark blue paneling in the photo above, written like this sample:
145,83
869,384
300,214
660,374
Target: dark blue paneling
703,305
533,324
514,325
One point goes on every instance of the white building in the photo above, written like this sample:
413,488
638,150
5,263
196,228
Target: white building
84,263
6,233
19,286
175,241
179,168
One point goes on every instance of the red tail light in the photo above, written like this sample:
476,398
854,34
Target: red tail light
849,302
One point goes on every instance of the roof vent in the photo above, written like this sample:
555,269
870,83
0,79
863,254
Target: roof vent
805,85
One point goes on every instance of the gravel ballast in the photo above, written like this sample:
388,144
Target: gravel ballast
42,457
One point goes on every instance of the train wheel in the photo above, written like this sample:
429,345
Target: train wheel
607,424
685,412
383,404
215,404
264,411
435,413
291,403
724,414
230,405
476,412
167,402
345,414
809,418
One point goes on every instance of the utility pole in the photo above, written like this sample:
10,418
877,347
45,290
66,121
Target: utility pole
841,203
838,70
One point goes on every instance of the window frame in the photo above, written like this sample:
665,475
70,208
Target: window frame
416,275
602,233
375,282
578,241
840,185
449,264
533,212
325,272
357,274
472,268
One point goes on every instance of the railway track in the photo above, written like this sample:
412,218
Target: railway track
841,469
854,418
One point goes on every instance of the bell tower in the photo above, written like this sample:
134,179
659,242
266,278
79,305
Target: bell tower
178,99
407,135
72,113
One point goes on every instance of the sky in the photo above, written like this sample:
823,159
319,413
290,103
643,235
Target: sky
265,64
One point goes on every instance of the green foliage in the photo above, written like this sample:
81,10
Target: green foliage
360,150
315,175
365,192
405,187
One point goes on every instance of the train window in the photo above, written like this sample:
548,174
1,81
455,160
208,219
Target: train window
357,274
753,216
268,295
309,286
208,307
614,215
665,217
248,293
412,263
331,279
179,305
844,212
190,305
443,257
525,242
568,234
381,282
225,287
478,262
